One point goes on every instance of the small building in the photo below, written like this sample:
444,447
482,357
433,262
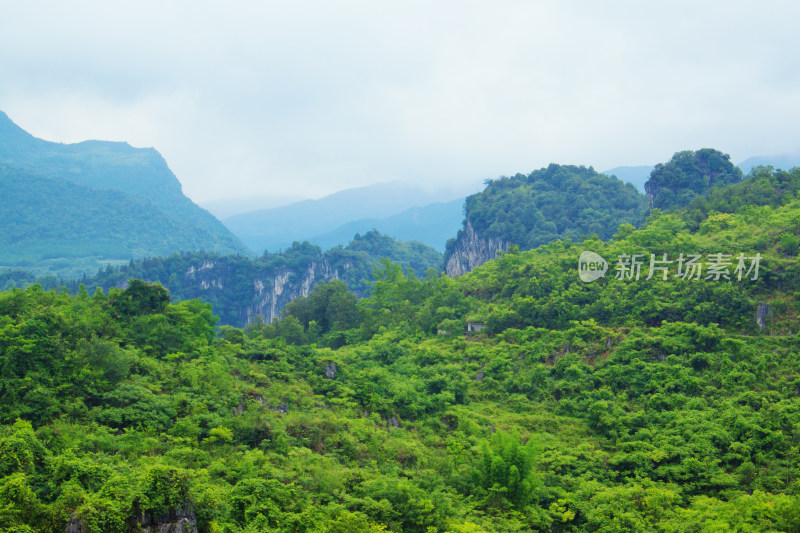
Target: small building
475,327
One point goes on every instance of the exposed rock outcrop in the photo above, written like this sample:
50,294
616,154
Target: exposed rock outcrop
273,288
330,371
763,314
241,288
179,520
471,250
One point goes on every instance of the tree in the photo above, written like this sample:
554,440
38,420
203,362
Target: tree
689,174
506,470
140,298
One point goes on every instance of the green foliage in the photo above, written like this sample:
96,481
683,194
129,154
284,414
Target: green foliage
616,405
764,186
235,284
139,298
322,316
506,470
70,208
687,175
553,203
331,306
415,255
55,226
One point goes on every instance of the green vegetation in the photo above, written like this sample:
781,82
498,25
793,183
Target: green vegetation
69,209
560,201
54,226
763,186
229,283
415,255
689,174
617,405
569,202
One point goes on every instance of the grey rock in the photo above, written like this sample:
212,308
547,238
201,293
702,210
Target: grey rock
281,408
76,526
272,288
330,371
177,520
393,421
475,327
763,314
471,251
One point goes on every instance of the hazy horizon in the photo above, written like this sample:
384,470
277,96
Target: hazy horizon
306,99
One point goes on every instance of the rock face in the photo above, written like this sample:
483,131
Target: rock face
330,371
471,250
76,526
272,288
763,314
240,288
179,520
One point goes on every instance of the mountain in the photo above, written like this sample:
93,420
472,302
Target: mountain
432,224
225,208
242,288
783,161
637,175
79,205
273,229
517,397
687,175
552,203
54,225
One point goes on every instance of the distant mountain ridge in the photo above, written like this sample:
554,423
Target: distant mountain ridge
637,175
432,224
276,228
114,203
782,161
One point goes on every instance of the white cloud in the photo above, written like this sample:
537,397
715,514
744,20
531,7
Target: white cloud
252,98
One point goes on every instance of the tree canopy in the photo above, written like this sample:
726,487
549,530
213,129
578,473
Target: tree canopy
687,175
618,405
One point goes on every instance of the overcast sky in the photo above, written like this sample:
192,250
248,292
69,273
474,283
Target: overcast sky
301,98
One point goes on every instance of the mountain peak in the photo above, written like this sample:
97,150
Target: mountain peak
12,136
137,207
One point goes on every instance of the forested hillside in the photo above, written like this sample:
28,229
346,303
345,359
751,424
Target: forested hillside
664,402
69,208
548,204
243,289
52,225
687,175
575,202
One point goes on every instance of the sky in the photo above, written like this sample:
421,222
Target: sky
304,98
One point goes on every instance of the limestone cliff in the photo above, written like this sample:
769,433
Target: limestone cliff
552,203
271,288
241,288
471,250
